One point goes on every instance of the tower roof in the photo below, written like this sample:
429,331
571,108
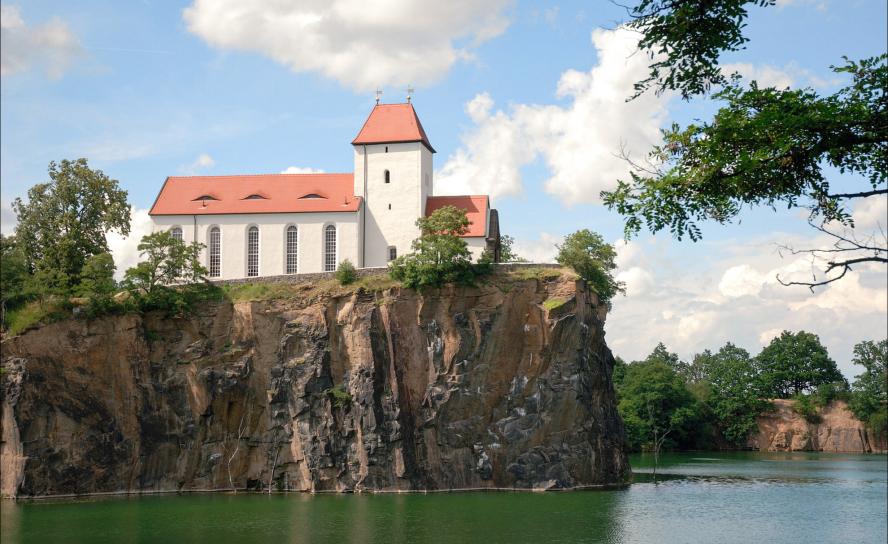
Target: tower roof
392,123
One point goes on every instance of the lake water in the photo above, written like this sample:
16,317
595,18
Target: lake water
699,497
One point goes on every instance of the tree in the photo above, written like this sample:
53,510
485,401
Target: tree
13,275
97,276
346,273
167,261
684,39
733,390
593,259
795,363
439,255
65,220
656,407
507,251
869,393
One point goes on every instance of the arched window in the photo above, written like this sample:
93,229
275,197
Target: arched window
176,232
292,249
388,177
215,252
253,251
329,248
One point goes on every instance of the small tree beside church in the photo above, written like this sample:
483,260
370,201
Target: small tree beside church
167,261
440,254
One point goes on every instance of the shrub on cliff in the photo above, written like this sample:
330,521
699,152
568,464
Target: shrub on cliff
593,259
171,276
346,273
440,254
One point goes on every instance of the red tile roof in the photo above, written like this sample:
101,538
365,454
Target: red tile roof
476,207
392,123
182,195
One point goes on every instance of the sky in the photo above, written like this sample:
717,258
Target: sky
524,101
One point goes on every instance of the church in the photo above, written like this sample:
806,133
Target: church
273,224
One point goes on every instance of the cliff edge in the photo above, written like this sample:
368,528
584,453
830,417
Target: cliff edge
503,385
836,430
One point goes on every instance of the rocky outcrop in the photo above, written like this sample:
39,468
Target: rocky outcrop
836,430
507,384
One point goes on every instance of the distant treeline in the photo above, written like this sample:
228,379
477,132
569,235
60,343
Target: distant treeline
714,400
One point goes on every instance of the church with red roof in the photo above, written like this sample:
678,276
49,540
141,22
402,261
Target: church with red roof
274,224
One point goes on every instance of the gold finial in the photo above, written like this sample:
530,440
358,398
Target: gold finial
410,91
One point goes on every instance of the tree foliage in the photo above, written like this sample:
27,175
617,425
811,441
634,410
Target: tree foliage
13,276
507,250
594,260
655,404
345,273
439,255
64,221
97,276
869,398
170,277
685,38
764,147
795,363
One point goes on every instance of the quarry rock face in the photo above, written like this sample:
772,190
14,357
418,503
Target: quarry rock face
836,430
504,385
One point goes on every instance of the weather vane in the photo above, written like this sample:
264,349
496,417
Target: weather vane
410,91
378,94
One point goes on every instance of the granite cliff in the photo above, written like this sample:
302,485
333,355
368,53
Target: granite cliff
834,430
503,385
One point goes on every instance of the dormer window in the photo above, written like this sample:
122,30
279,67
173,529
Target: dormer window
388,177
311,195
255,197
205,197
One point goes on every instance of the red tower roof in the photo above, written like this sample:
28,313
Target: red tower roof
392,123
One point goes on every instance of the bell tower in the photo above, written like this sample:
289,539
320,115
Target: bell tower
393,174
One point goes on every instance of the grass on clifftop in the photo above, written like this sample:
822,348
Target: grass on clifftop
539,273
260,291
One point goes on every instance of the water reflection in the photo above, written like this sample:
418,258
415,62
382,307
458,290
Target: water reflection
697,498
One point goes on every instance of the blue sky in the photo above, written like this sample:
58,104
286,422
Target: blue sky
145,89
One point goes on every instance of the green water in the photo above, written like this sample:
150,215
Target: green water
702,497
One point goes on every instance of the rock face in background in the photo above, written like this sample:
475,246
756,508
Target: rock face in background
784,429
503,385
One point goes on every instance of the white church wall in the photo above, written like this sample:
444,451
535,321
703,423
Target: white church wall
272,239
477,245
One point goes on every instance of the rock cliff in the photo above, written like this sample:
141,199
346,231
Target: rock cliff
507,384
783,429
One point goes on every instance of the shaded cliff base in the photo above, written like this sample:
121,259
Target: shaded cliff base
784,429
506,385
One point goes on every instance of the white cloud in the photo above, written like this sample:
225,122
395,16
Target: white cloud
871,214
741,280
580,142
302,170
8,219
765,74
541,250
124,249
203,161
638,280
713,293
51,45
358,43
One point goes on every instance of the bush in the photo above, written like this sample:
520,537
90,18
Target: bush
346,273
339,397
97,276
593,259
805,406
439,255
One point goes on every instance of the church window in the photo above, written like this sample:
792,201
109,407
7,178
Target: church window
176,232
215,253
393,253
292,249
390,206
329,248
386,149
388,177
253,251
